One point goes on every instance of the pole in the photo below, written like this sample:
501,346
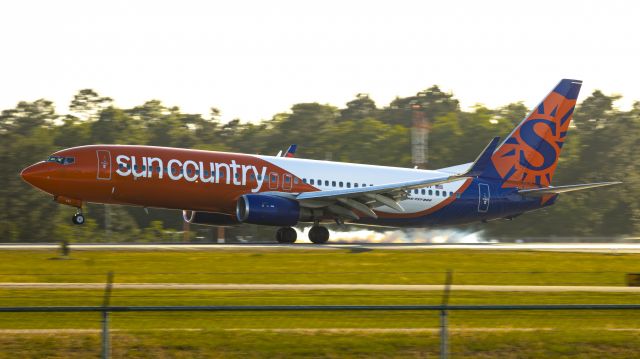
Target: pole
105,317
220,234
105,335
444,335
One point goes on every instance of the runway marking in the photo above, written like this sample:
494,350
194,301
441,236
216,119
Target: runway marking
381,287
554,247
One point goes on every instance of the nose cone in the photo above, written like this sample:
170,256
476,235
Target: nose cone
36,175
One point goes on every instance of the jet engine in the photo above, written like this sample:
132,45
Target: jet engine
270,210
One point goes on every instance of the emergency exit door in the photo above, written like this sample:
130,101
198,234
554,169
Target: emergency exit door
104,164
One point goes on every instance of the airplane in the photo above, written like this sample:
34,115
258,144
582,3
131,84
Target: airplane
507,179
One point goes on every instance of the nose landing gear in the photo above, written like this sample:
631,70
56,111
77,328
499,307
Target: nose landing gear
78,218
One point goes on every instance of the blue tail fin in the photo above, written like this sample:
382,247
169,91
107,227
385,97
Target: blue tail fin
291,151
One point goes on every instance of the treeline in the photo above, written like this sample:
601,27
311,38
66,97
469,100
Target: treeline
600,147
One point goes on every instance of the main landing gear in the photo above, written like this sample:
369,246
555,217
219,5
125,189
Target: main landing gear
286,235
317,235
78,218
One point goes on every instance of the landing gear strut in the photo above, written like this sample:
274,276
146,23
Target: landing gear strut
286,235
318,234
78,218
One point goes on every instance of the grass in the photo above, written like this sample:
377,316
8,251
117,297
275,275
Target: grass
239,344
313,266
518,334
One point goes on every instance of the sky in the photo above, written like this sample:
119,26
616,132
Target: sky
253,59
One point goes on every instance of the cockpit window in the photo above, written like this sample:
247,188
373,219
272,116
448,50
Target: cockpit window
61,160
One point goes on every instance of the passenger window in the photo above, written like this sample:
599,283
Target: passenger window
340,184
295,180
444,193
304,180
348,184
415,191
287,179
319,182
274,178
437,193
252,177
450,193
69,160
326,183
364,185
355,185
430,192
311,181
333,183
423,191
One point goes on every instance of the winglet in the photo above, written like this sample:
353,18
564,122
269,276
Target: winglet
483,160
291,151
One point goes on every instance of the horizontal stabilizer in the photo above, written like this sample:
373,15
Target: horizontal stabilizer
562,189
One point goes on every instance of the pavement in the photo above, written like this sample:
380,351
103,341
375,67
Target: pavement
553,247
380,287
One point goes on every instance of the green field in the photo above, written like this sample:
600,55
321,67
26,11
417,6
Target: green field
600,334
320,266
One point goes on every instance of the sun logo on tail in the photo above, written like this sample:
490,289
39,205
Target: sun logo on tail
529,156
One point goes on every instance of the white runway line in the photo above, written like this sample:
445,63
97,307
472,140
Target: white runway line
555,247
381,287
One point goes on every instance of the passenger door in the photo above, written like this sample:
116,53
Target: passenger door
484,196
104,164
286,182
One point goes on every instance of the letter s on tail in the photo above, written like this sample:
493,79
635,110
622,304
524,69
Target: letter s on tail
529,155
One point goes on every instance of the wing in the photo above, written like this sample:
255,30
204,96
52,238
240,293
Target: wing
342,202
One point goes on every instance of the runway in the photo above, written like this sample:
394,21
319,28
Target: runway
379,287
554,247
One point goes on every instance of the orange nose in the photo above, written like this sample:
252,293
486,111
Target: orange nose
36,174
27,174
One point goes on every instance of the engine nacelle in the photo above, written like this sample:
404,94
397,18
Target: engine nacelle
208,218
267,210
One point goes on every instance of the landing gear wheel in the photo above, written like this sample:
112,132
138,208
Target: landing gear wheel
286,235
78,218
319,234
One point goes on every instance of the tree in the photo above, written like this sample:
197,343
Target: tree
87,104
359,108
